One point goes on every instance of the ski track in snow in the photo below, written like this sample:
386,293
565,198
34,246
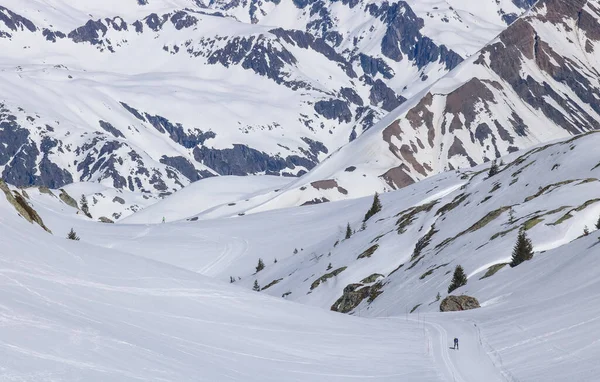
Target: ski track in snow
458,365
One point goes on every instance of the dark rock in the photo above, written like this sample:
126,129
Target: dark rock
382,94
182,165
14,21
91,32
104,219
334,109
354,294
372,66
458,303
53,35
111,129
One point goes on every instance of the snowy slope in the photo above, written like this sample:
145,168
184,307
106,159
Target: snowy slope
535,319
73,311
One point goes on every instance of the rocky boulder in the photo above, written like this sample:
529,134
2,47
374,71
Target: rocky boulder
458,303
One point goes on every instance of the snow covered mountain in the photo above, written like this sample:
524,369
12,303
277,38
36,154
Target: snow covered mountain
150,96
536,82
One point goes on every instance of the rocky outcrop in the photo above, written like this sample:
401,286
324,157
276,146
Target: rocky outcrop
22,206
104,219
354,294
67,199
458,303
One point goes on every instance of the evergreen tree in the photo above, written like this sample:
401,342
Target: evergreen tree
494,169
598,224
586,231
256,287
275,261
329,266
511,215
348,231
295,251
375,208
72,235
459,279
84,206
523,249
363,226
231,279
260,266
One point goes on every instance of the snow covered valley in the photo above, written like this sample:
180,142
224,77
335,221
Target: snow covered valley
154,301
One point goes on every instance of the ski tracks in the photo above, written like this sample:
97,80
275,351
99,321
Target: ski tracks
470,364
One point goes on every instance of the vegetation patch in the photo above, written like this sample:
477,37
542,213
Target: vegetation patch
415,308
410,215
369,252
486,199
487,219
395,270
452,205
529,224
495,188
326,277
548,188
569,215
271,284
423,242
588,180
492,270
503,233
371,279
429,272
415,263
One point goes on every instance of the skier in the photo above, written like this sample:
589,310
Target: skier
456,344
163,219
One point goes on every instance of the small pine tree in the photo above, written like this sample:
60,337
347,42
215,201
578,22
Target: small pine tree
84,205
375,208
494,169
363,226
523,249
586,231
438,297
511,216
260,266
459,279
72,235
275,261
598,224
329,266
256,287
231,279
348,231
295,251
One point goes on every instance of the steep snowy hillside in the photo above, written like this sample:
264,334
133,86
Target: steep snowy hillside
151,96
538,81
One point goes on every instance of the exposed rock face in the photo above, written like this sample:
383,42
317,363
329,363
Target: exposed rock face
354,294
104,219
65,197
458,303
21,206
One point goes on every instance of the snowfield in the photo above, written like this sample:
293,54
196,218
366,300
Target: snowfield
72,311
